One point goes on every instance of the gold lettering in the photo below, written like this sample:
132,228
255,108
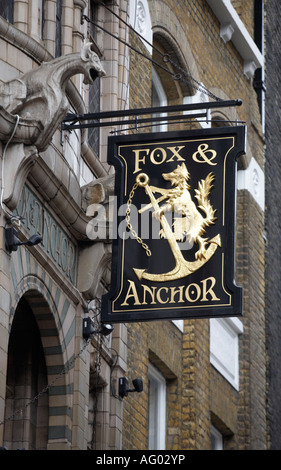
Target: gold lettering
159,297
158,156
134,294
151,293
161,154
175,154
192,289
174,292
201,155
210,290
138,159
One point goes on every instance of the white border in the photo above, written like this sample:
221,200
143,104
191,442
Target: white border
232,28
225,328
146,32
155,376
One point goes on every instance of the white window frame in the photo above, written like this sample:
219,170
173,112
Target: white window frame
179,324
224,347
199,97
141,21
157,410
161,127
232,28
216,439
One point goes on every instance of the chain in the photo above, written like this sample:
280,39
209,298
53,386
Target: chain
45,390
128,220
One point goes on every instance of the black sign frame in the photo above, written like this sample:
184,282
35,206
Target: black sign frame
207,160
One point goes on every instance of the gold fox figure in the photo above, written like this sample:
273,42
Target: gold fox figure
191,224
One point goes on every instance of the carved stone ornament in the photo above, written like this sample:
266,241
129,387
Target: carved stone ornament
141,17
97,201
39,97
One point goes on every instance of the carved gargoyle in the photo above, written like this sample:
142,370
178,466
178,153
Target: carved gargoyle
39,97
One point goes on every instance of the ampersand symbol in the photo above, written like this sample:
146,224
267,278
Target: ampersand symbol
201,155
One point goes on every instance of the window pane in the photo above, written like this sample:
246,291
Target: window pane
7,10
42,17
94,18
58,28
156,410
224,347
216,439
158,98
94,107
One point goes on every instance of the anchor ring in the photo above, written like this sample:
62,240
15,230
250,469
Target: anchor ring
142,179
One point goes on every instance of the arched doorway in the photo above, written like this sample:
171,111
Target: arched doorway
26,377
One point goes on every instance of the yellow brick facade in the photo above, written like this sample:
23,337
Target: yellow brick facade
83,409
205,398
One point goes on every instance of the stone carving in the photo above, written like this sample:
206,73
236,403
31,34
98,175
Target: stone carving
97,198
39,97
98,191
97,201
141,17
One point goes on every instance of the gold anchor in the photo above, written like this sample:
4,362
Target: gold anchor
182,267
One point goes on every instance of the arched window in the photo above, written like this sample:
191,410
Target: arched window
166,88
159,98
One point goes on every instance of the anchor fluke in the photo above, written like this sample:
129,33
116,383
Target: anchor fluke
139,273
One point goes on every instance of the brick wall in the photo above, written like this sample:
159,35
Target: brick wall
140,82
250,273
196,386
158,343
198,395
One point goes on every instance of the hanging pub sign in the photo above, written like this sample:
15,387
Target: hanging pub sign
173,236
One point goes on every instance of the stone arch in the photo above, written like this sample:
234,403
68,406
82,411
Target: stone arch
26,377
37,296
55,314
167,29
166,44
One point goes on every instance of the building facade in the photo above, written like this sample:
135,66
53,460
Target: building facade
272,224
204,380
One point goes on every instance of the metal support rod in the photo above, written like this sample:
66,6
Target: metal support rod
142,111
135,121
